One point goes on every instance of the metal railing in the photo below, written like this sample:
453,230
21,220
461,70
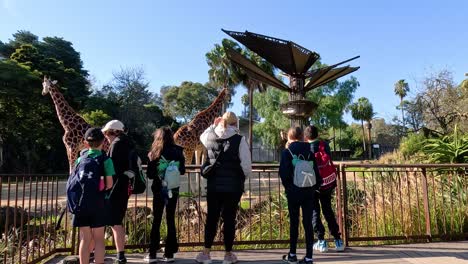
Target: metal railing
374,204
404,202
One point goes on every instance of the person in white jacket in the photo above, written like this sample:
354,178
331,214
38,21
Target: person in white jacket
229,152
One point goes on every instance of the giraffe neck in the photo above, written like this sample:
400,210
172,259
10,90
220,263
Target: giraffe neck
205,118
66,114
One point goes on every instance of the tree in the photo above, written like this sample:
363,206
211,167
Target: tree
62,50
414,113
350,138
187,99
362,110
96,118
332,100
245,102
222,72
21,37
443,103
401,90
29,127
274,121
40,56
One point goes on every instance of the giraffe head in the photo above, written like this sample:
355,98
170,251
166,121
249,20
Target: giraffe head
47,84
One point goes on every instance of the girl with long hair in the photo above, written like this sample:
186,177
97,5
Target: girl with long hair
163,149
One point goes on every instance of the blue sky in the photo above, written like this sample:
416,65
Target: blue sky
395,39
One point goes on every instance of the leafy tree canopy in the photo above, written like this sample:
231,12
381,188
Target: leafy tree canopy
187,99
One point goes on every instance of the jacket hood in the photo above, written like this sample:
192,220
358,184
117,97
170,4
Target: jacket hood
124,139
226,132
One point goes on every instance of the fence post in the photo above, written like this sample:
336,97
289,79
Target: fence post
426,206
339,200
345,204
73,242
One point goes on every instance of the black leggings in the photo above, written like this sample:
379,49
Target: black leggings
298,199
158,207
324,201
227,205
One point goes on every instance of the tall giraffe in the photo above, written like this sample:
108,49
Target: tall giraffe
73,124
188,136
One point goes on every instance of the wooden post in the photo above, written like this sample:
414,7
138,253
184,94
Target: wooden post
426,206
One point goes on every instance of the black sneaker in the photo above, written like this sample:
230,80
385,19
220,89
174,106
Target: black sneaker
290,259
304,261
120,261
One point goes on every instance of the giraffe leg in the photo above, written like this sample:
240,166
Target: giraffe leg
69,150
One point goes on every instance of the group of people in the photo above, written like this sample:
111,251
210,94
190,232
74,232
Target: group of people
311,199
107,205
227,166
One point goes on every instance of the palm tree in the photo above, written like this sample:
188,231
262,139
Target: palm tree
362,110
222,72
401,90
252,84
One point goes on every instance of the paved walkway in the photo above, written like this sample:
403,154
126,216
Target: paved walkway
431,253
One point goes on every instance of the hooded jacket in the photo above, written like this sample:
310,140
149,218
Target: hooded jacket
232,161
119,151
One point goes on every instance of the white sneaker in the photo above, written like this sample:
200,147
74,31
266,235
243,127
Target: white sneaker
150,259
230,258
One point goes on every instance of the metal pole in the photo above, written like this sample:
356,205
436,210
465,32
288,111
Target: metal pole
250,120
344,186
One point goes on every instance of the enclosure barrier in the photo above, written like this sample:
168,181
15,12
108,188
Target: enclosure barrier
375,204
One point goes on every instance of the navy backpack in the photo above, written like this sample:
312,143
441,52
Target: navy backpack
83,183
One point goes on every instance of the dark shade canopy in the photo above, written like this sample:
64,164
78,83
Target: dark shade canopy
253,71
325,75
286,55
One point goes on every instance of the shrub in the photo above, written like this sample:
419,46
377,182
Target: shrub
412,144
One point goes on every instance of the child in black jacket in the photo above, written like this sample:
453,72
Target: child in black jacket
163,147
298,197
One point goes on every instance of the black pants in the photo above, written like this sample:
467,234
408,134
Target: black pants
301,199
171,241
324,201
227,205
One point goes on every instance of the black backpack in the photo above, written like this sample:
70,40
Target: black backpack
138,183
83,183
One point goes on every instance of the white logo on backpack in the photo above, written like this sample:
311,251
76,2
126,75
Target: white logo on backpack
304,173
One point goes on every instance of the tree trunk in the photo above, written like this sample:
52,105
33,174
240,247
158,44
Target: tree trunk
334,140
402,113
341,153
369,127
363,136
250,120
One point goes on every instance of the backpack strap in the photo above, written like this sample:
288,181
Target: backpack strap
291,153
84,153
321,146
